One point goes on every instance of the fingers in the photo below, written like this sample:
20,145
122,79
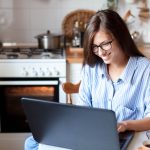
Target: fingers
121,127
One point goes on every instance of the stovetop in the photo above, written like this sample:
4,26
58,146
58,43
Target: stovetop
31,53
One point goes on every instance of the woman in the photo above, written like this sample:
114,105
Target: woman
115,74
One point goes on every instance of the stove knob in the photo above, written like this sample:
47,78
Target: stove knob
35,73
25,72
57,73
42,72
49,72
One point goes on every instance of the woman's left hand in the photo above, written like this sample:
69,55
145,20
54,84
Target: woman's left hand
134,125
122,126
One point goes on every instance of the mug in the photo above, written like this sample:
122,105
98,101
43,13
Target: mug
145,146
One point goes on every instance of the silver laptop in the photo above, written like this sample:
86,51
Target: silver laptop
72,127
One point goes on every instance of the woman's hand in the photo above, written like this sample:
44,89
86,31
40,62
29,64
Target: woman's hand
134,125
122,126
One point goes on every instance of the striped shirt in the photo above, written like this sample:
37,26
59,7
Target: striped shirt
129,96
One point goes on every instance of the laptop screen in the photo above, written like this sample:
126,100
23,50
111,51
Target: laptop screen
70,126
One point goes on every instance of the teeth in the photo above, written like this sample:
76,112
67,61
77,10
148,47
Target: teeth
106,54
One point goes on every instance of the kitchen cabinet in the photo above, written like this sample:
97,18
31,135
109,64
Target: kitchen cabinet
74,76
74,67
74,64
74,72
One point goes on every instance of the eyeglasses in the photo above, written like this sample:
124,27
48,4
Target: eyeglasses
104,46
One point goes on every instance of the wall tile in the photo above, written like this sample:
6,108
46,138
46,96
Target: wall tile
31,17
19,35
21,19
14,4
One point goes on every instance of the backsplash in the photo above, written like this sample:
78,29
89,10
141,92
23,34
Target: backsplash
22,20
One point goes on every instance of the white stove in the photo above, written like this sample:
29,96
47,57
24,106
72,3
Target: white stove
25,62
27,72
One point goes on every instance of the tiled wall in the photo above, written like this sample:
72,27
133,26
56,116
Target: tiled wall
21,20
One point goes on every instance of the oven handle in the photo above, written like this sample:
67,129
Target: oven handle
55,82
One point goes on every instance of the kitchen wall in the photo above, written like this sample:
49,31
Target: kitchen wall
21,20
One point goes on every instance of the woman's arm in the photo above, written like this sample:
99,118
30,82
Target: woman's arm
136,125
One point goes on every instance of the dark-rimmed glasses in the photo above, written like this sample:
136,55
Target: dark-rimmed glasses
103,46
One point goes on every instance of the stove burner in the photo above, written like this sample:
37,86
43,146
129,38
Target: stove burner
12,56
31,53
46,56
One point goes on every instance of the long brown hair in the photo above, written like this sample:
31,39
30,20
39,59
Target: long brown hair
114,24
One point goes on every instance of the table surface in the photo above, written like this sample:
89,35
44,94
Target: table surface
136,142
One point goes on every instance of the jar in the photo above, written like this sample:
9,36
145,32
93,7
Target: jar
112,4
130,1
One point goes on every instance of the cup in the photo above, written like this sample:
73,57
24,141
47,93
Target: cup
146,144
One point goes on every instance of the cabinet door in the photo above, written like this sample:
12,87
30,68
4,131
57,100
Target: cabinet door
74,76
74,72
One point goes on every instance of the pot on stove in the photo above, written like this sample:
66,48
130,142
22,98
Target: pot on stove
49,41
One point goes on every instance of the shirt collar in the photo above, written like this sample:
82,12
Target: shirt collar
129,70
127,74
102,71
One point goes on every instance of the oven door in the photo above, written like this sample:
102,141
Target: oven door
12,116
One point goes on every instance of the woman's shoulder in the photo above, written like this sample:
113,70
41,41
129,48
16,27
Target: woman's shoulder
143,61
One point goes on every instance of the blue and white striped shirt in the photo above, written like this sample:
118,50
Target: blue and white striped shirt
129,96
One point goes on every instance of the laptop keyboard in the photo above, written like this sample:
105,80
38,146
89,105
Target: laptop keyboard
125,138
122,142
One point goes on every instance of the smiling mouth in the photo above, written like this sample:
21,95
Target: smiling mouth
106,54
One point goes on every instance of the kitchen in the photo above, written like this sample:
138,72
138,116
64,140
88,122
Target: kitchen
21,21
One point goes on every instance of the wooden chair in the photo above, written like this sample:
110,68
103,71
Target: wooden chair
70,88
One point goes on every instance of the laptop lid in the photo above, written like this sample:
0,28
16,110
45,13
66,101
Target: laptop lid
70,126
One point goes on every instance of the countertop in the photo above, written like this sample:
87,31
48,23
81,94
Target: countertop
136,142
74,55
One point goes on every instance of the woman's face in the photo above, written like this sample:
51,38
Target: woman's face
106,47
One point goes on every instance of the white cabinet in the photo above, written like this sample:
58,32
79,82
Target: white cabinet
74,72
74,76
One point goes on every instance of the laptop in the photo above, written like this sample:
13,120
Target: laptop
73,127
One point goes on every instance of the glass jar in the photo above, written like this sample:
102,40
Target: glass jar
112,4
